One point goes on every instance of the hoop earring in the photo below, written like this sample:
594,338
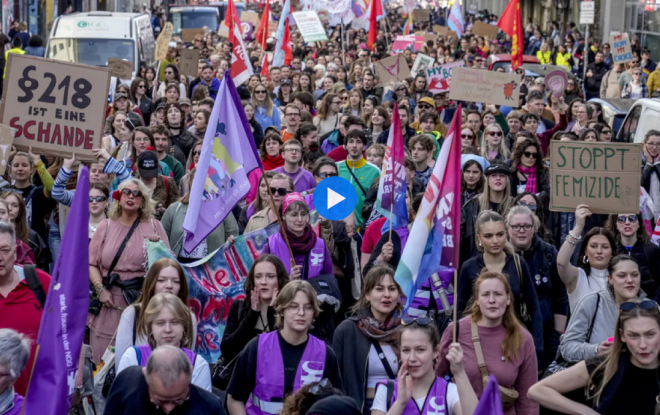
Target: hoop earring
585,259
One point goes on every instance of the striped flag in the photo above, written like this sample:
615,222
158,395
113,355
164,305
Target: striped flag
407,28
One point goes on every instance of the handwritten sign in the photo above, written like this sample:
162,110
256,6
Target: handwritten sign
392,68
621,49
422,62
188,35
408,6
439,77
444,31
163,41
405,41
189,59
6,140
484,29
250,17
310,26
603,175
56,107
421,15
121,68
479,85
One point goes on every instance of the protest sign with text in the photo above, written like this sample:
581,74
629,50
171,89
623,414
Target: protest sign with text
479,85
621,49
605,176
485,29
403,41
421,15
310,26
52,110
439,77
189,59
163,41
121,68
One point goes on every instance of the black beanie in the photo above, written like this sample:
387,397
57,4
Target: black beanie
333,405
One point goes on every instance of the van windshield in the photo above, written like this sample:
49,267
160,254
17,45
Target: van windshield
91,51
194,20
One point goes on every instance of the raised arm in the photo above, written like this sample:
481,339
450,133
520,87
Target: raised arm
567,272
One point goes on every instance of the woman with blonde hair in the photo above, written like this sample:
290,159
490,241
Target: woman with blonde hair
265,111
469,137
259,383
166,321
495,343
327,119
116,259
494,150
354,104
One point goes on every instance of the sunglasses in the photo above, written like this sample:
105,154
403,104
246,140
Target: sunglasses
318,388
422,321
530,155
293,114
624,218
634,62
325,175
98,199
279,191
644,305
495,133
528,206
467,136
260,92
141,86
424,107
135,193
196,153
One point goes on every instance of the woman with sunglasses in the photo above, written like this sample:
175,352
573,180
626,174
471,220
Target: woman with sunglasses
130,223
328,117
529,172
366,343
624,380
141,99
636,88
469,137
633,240
472,177
604,132
506,348
493,148
171,76
266,113
278,363
280,186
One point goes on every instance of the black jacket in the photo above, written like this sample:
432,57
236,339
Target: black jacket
146,108
592,84
240,328
377,91
257,132
648,257
542,183
185,141
648,170
410,133
396,256
469,214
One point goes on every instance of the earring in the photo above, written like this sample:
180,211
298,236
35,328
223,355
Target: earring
479,243
585,259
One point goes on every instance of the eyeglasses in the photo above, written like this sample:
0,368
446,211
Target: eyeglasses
530,155
654,145
495,133
306,309
624,218
344,98
424,106
141,86
97,199
422,321
644,305
293,150
606,132
401,89
169,73
529,206
176,402
634,62
325,175
293,114
518,228
281,191
467,136
260,92
318,388
135,193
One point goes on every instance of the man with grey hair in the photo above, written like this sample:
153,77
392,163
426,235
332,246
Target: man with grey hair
162,387
22,296
14,355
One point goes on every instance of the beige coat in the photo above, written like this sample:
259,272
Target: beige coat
609,86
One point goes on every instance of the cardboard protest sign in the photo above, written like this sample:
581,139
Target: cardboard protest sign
56,107
439,77
621,49
479,85
250,17
444,31
392,68
163,41
121,68
188,35
6,141
421,15
484,29
189,59
430,37
223,31
603,175
422,62
310,26
358,24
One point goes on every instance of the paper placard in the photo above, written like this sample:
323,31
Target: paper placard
439,77
480,85
392,68
402,42
430,36
6,141
422,62
421,15
605,176
121,68
189,59
484,29
310,26
163,41
621,49
250,17
56,107
188,35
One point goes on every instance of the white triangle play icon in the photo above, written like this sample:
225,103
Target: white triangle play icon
334,198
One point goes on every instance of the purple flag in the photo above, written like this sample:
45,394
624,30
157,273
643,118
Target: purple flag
490,402
228,156
65,315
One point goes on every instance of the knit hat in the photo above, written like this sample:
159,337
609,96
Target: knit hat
333,405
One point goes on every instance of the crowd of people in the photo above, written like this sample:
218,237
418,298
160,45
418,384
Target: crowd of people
560,307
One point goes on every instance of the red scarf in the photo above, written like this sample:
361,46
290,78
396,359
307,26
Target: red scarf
300,245
271,163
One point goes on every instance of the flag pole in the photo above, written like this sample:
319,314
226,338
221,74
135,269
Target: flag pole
455,308
36,353
391,224
279,218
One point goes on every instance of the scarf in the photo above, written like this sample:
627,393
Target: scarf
271,162
381,331
300,245
530,172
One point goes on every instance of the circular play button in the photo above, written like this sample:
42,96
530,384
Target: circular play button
335,198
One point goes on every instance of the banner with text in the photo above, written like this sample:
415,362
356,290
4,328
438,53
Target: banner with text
479,85
57,108
621,49
439,77
605,176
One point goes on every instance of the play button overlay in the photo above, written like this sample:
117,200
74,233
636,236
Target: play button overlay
335,198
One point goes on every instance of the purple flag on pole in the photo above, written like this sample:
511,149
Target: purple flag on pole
490,402
64,318
228,156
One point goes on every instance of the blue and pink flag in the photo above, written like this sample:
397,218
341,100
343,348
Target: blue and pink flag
490,402
392,187
62,328
281,46
455,21
434,238
228,156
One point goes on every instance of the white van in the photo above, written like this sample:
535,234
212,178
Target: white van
643,116
91,38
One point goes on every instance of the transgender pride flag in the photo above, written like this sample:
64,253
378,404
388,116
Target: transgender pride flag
455,20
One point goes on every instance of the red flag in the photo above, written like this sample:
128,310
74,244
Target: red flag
241,68
286,44
262,31
376,10
264,67
511,24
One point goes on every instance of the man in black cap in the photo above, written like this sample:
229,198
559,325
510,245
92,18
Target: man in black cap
165,191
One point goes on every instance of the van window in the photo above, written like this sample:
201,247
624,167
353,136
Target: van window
194,20
651,121
91,51
627,132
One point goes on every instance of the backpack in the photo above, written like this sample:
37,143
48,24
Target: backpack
34,283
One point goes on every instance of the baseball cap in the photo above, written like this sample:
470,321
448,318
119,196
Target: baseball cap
470,58
539,81
147,164
285,82
161,106
428,100
185,101
497,168
120,95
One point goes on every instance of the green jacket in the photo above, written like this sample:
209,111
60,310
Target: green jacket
175,166
365,173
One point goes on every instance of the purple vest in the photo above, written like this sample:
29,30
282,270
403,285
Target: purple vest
315,262
436,401
144,351
269,379
18,405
